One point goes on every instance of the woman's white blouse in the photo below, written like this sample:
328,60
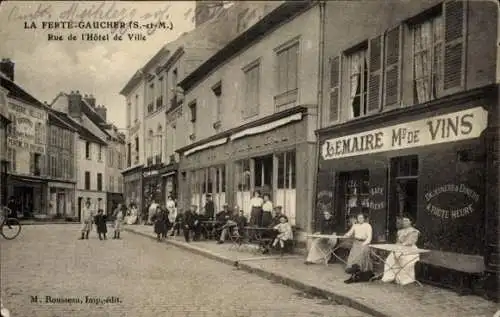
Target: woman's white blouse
361,231
267,206
256,202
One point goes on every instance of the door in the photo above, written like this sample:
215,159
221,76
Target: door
404,192
286,184
263,174
61,204
80,208
242,178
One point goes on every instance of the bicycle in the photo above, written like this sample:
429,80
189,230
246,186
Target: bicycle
10,227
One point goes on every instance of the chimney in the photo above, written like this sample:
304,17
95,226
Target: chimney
7,67
102,111
206,10
74,100
90,100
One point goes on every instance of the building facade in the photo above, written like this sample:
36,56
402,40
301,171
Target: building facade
91,147
60,166
409,123
4,162
27,179
115,163
249,115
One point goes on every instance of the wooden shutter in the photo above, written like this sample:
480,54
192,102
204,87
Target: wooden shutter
393,39
378,203
333,109
374,74
454,50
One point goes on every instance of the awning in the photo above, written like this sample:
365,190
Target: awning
206,146
267,127
26,179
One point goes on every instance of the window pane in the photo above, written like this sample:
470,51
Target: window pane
291,169
223,179
281,170
292,67
282,72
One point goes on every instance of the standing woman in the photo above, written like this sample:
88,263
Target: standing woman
119,211
267,211
256,204
171,208
160,223
359,264
100,223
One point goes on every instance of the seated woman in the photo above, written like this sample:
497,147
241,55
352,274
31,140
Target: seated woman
359,263
132,218
320,247
398,267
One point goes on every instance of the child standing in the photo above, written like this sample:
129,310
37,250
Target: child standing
88,218
285,232
100,223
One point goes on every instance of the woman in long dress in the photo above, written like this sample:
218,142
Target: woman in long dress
359,263
160,223
133,214
267,211
256,204
171,208
320,247
398,267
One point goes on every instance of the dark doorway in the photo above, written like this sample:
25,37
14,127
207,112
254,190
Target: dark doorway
263,174
404,191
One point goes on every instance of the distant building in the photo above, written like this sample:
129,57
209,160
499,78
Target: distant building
4,160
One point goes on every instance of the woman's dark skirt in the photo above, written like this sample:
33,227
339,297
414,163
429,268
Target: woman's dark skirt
267,218
161,227
256,216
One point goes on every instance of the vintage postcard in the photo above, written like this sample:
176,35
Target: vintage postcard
249,158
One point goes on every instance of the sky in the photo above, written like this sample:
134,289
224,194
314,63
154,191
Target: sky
102,68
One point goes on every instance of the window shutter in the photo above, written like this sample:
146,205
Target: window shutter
333,113
454,51
392,67
374,74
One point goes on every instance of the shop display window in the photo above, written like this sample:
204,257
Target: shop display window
355,195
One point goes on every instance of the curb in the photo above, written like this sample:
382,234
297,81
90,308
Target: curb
293,283
37,223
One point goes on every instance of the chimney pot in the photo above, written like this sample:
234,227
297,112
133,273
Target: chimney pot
7,67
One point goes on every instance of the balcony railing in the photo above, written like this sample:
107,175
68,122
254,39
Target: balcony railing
176,101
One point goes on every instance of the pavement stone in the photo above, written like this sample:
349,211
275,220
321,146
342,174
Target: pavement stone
376,298
145,277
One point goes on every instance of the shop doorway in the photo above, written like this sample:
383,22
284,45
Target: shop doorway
263,174
80,199
404,191
24,196
61,204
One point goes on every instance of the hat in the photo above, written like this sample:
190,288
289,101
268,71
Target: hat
278,207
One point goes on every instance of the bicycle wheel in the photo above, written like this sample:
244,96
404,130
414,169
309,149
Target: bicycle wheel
10,228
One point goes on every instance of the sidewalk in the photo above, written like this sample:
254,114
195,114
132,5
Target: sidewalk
375,298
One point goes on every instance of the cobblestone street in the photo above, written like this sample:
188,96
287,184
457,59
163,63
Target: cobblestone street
148,279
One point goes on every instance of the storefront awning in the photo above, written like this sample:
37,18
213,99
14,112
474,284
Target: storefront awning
267,127
169,174
206,146
26,179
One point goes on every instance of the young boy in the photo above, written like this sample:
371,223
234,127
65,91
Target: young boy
100,223
285,232
88,218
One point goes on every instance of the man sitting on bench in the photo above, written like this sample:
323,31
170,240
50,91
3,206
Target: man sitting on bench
231,224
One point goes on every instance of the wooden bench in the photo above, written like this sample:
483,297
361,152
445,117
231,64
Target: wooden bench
450,270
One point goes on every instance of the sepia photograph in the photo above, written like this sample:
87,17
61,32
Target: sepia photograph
297,158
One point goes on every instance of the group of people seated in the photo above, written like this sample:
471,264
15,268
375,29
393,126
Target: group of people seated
398,267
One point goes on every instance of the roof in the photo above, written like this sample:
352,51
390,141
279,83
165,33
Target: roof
136,78
282,13
54,119
82,131
17,92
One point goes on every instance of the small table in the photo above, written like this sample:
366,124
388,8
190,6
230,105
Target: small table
396,248
333,246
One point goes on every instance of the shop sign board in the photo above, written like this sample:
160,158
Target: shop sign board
29,123
452,127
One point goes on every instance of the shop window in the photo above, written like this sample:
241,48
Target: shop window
87,180
243,175
286,170
358,82
355,195
263,173
405,166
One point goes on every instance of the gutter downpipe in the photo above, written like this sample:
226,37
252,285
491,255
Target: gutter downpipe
322,4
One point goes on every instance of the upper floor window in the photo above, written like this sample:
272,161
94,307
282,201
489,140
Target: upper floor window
38,133
136,108
159,147
217,90
99,181
87,150
192,112
159,97
288,69
87,180
428,42
151,94
252,91
174,80
129,113
358,82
